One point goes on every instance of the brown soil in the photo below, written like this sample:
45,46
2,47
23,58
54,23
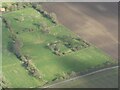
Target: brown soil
94,22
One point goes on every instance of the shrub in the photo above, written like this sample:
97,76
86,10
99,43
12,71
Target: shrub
54,18
72,74
34,71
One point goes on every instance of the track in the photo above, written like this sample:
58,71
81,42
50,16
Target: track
105,69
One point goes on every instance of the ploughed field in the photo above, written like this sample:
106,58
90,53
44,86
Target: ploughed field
95,22
37,51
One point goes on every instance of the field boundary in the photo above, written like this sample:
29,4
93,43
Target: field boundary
94,72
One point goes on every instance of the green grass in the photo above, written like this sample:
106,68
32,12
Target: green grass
17,76
34,45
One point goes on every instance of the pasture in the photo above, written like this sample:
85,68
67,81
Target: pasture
27,25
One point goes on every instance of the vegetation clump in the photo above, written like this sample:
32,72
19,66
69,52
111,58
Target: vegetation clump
31,67
67,44
74,43
3,83
63,75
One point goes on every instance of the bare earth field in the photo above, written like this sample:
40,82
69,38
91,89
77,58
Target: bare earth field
94,22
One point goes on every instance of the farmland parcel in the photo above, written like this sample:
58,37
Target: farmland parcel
37,49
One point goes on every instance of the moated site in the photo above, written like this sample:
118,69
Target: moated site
38,50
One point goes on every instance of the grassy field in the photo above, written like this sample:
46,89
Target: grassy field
104,79
35,46
14,73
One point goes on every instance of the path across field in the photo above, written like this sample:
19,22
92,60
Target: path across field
71,82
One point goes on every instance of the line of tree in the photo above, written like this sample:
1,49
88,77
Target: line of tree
51,16
15,46
27,63
15,5
20,5
7,25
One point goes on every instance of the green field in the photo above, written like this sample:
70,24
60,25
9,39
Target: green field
104,79
26,24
